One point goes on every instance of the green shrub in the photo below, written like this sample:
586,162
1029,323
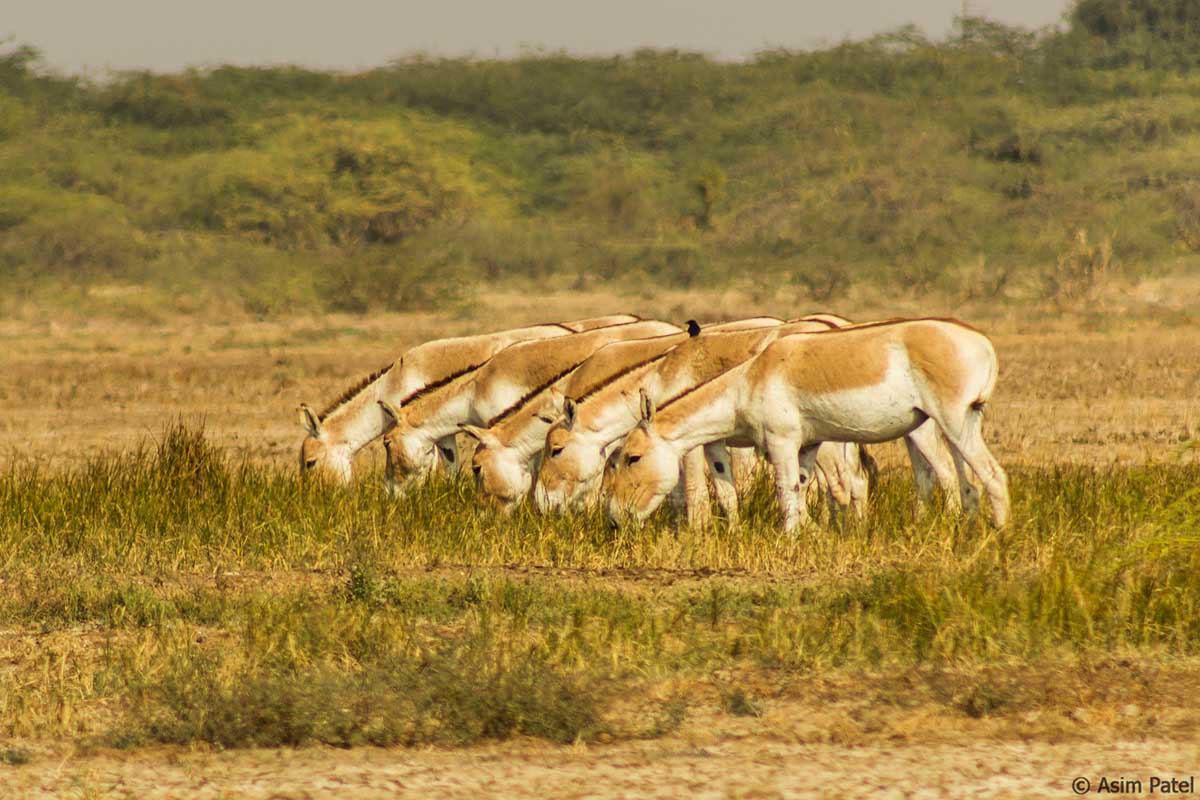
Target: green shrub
63,232
897,159
314,182
161,102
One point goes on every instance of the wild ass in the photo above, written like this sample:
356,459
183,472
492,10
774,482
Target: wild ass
509,444
354,420
576,447
436,413
872,383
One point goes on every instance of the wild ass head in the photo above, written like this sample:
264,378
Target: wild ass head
319,455
500,472
409,452
571,463
646,470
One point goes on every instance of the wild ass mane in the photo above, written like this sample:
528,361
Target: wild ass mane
438,384
517,406
591,390
353,391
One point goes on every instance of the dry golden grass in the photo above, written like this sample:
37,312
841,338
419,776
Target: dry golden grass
1115,384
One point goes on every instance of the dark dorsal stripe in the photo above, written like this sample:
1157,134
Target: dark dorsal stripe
435,385
820,319
620,374
686,392
894,321
353,392
517,406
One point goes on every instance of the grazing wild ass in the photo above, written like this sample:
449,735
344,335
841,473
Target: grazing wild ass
354,420
577,446
437,412
871,383
510,443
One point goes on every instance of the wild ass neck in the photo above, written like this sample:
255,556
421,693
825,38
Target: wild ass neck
357,422
613,411
439,414
705,414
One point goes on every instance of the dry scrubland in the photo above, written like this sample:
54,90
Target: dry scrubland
186,257
166,592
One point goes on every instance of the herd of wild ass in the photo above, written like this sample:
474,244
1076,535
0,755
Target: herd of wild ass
639,410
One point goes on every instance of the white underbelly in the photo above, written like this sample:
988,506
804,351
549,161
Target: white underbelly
879,414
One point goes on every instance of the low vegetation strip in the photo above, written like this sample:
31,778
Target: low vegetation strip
126,618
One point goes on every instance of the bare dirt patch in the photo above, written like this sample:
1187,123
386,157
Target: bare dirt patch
732,767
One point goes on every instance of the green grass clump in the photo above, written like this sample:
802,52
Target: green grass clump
453,692
14,756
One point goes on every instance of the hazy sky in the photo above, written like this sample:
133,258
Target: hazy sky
95,35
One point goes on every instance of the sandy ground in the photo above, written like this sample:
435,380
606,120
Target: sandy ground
737,768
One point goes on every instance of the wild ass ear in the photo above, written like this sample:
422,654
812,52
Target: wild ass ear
310,421
693,327
646,406
391,414
480,435
570,413
551,415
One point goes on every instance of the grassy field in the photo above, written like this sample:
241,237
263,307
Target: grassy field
168,597
166,582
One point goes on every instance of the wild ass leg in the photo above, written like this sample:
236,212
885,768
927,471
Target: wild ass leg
793,472
966,441
855,478
744,466
865,473
930,466
719,460
699,512
846,479
923,475
807,459
827,484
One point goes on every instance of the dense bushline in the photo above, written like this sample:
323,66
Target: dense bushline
995,161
